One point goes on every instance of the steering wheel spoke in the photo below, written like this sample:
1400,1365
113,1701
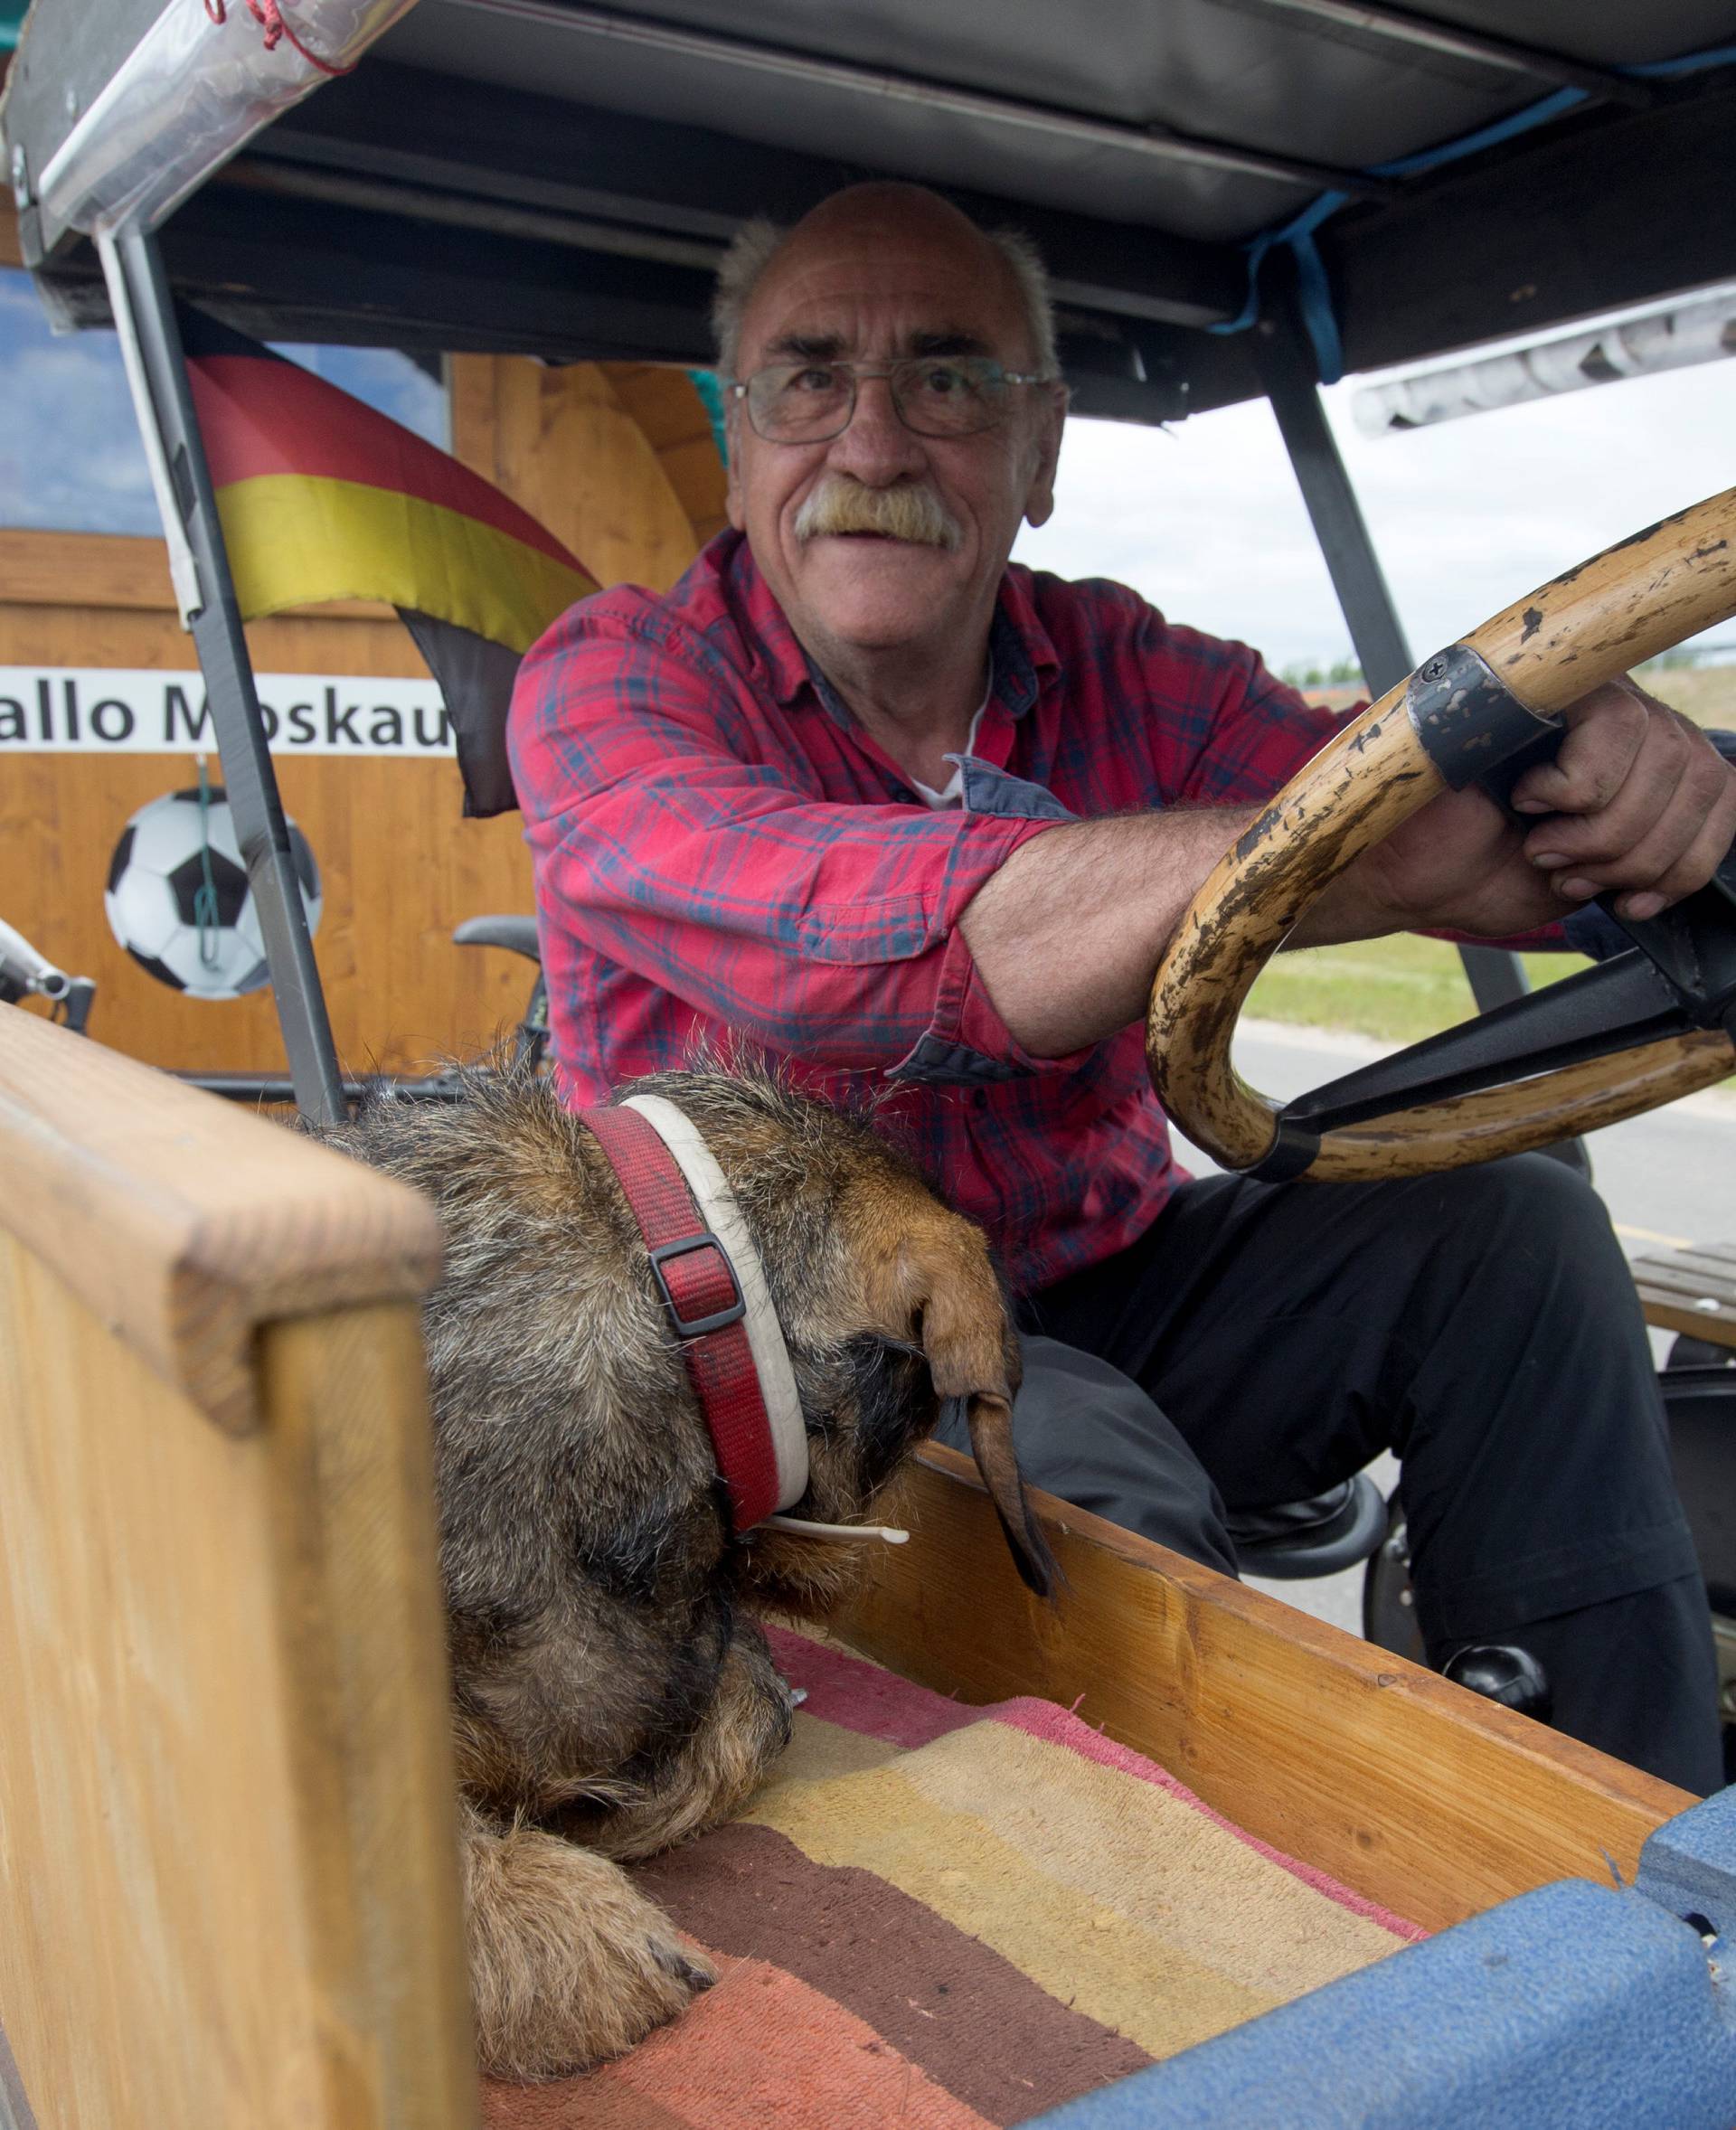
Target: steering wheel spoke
1614,1006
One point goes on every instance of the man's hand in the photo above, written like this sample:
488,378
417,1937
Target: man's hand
1637,800
1067,935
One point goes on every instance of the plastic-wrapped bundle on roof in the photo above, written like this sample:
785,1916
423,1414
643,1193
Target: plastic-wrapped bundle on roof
198,83
1698,331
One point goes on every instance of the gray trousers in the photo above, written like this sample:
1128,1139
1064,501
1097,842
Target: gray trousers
1263,1342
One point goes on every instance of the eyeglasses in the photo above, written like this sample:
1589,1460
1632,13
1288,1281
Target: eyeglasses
935,395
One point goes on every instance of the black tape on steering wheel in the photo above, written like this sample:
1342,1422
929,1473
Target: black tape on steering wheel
1291,1154
1471,723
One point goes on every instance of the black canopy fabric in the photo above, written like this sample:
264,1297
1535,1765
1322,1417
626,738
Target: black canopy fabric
557,177
1134,111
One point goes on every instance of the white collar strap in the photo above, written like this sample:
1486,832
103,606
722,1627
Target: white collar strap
720,1213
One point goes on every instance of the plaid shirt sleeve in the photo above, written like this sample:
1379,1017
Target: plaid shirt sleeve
667,840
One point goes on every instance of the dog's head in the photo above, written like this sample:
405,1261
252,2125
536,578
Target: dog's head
889,1305
567,1438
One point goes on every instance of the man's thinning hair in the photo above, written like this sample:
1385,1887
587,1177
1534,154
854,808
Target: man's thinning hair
754,245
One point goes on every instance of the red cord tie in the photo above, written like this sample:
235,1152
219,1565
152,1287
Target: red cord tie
269,18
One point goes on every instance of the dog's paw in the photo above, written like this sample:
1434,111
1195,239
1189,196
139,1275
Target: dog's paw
569,1963
687,1967
725,1760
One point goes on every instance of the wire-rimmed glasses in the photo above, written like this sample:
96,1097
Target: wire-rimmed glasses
933,396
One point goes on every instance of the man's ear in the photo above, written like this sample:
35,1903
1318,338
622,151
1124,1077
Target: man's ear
1040,495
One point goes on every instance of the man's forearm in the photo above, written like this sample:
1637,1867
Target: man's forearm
1068,934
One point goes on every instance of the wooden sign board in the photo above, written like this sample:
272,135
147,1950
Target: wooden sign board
99,714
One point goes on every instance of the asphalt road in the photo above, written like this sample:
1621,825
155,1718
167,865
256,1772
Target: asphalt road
1668,1179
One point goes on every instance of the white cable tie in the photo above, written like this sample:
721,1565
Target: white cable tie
800,1528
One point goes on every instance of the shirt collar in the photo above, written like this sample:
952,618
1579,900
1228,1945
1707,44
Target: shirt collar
1025,659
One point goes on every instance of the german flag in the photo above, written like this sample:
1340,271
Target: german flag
322,497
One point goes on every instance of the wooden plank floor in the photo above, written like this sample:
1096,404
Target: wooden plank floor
1691,1290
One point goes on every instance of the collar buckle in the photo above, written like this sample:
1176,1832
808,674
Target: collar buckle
696,1327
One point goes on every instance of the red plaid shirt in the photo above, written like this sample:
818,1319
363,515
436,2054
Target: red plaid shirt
721,853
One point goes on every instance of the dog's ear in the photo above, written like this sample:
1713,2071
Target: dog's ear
989,1417
940,1288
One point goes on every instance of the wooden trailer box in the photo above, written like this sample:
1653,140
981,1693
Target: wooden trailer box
228,1887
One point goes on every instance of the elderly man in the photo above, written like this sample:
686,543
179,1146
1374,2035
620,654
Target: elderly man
920,823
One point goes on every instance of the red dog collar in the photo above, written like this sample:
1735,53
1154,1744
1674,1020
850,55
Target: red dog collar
702,1296
714,1287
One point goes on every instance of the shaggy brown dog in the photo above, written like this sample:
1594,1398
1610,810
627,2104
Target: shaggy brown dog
611,1695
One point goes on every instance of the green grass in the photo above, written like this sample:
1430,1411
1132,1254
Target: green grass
1398,989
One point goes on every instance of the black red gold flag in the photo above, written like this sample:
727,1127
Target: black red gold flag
323,497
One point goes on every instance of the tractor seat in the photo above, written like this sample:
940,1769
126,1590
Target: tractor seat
1318,1536
516,934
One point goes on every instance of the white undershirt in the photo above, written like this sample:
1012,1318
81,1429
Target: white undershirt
955,790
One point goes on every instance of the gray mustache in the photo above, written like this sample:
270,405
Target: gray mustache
913,514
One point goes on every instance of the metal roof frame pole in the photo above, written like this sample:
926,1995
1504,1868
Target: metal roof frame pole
156,368
1284,357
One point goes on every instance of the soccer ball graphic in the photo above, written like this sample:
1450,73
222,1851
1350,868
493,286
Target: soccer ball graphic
208,944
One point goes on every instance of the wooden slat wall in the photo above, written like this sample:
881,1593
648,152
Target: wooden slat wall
619,464
398,866
616,460
228,1885
670,414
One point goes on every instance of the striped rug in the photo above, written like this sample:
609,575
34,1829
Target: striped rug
951,1917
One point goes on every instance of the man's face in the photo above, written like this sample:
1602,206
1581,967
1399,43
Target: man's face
869,286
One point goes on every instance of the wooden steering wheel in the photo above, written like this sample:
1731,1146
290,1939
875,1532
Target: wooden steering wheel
1633,1032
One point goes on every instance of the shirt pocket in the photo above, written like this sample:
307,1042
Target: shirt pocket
895,928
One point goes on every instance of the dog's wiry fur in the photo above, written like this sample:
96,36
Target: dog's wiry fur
611,1694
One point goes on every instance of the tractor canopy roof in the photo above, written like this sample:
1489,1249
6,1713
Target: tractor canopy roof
549,178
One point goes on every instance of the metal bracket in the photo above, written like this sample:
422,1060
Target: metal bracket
1291,1154
1693,946
1477,730
1467,717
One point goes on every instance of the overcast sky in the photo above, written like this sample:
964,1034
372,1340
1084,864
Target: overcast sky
1205,520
